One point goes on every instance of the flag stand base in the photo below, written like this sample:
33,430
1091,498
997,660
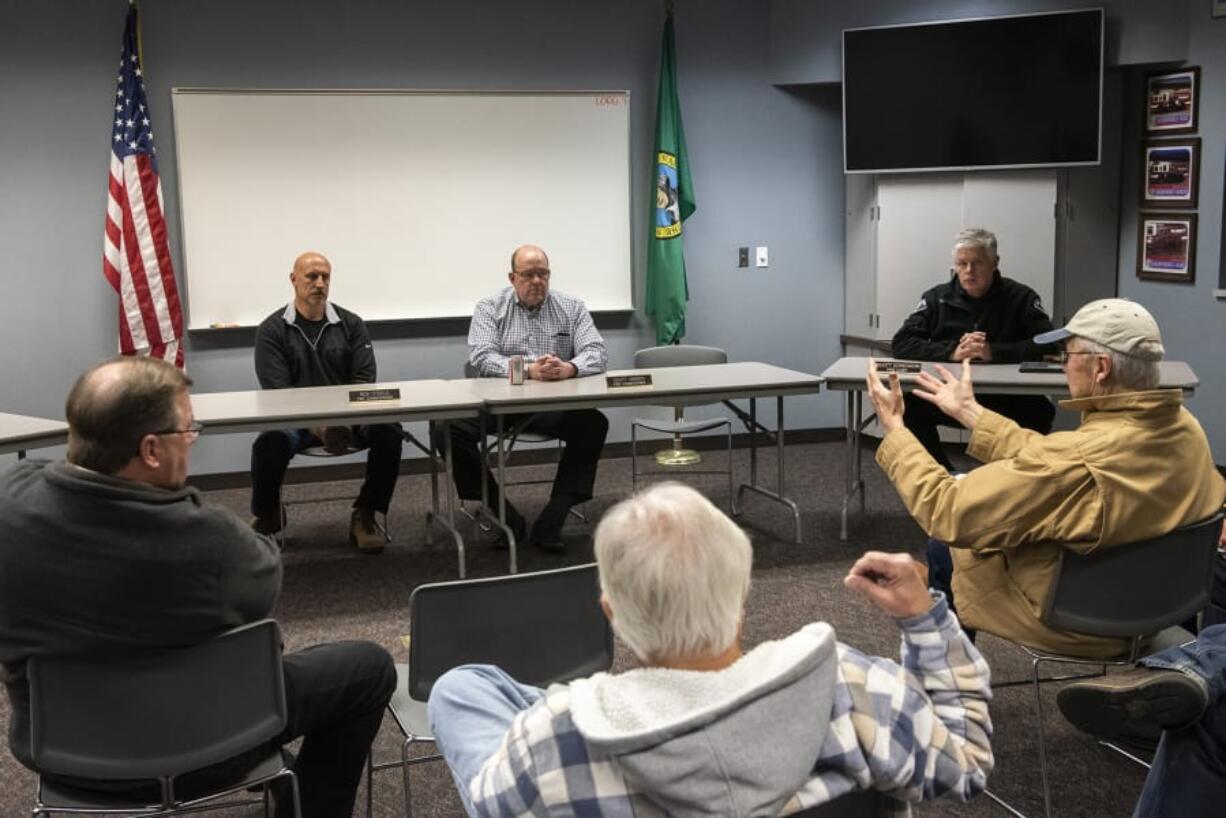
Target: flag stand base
677,457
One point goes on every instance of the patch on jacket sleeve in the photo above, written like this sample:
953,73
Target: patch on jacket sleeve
920,307
1038,306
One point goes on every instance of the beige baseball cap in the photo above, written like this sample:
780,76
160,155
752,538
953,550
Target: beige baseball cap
1116,323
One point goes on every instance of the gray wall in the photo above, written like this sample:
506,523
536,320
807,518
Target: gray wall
765,161
1141,36
1193,322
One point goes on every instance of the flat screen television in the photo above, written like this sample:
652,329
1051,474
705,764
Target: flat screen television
1020,91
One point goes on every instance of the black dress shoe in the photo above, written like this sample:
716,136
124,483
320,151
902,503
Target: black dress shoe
554,545
518,526
547,530
1135,706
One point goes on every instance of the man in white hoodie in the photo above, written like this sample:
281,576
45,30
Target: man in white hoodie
703,728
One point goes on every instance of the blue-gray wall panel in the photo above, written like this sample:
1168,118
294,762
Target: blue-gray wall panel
766,165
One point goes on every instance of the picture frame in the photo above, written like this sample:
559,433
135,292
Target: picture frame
1217,8
1170,173
1166,247
1221,267
1172,101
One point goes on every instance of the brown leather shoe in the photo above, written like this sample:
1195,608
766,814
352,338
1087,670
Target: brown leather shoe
365,532
1135,706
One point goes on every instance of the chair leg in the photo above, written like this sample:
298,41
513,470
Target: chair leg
370,784
634,460
404,769
731,490
1038,706
293,780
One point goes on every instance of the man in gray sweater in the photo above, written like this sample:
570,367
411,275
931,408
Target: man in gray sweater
110,554
702,728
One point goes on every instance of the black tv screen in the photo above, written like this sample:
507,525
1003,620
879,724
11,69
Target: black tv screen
1022,91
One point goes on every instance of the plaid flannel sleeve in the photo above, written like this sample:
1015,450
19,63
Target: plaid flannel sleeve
544,761
915,730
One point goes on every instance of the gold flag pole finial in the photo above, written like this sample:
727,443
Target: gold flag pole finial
140,48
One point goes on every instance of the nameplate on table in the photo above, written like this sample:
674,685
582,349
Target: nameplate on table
373,395
628,381
901,367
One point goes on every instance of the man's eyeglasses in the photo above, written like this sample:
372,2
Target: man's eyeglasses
193,429
1066,354
540,275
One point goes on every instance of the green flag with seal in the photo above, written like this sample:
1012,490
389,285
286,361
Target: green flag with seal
672,203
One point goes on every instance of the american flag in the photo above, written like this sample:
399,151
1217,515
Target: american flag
135,254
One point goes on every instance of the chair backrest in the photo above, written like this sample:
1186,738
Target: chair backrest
855,804
678,355
1135,589
541,627
159,715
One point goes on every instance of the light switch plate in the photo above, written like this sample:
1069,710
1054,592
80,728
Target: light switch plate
762,260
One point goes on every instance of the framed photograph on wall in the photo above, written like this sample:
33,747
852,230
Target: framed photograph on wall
1221,267
1171,175
1166,247
1171,101
1217,8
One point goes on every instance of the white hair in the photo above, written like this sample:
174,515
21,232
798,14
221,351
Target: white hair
1128,372
674,570
978,237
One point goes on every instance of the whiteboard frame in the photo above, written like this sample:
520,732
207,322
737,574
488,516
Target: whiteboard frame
175,91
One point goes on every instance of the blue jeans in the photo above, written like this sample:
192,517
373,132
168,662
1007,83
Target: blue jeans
471,708
1188,777
941,577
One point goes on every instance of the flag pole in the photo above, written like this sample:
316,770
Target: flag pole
140,45
673,202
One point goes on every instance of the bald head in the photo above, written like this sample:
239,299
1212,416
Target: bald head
530,275
311,277
116,403
536,253
311,258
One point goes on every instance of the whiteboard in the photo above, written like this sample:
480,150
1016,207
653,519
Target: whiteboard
417,198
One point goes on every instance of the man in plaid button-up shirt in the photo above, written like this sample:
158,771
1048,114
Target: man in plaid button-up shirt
701,728
556,338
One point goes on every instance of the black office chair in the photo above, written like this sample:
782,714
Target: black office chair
154,718
857,804
541,628
322,453
519,432
1140,591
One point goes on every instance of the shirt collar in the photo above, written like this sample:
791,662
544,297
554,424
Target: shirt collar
330,313
1125,401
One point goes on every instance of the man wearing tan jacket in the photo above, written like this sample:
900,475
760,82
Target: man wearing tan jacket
1139,465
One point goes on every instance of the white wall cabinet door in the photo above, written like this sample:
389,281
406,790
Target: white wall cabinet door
1020,208
900,232
918,216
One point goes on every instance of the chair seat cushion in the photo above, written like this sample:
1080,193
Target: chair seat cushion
409,713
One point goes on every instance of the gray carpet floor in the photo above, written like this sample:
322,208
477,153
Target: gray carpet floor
332,592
